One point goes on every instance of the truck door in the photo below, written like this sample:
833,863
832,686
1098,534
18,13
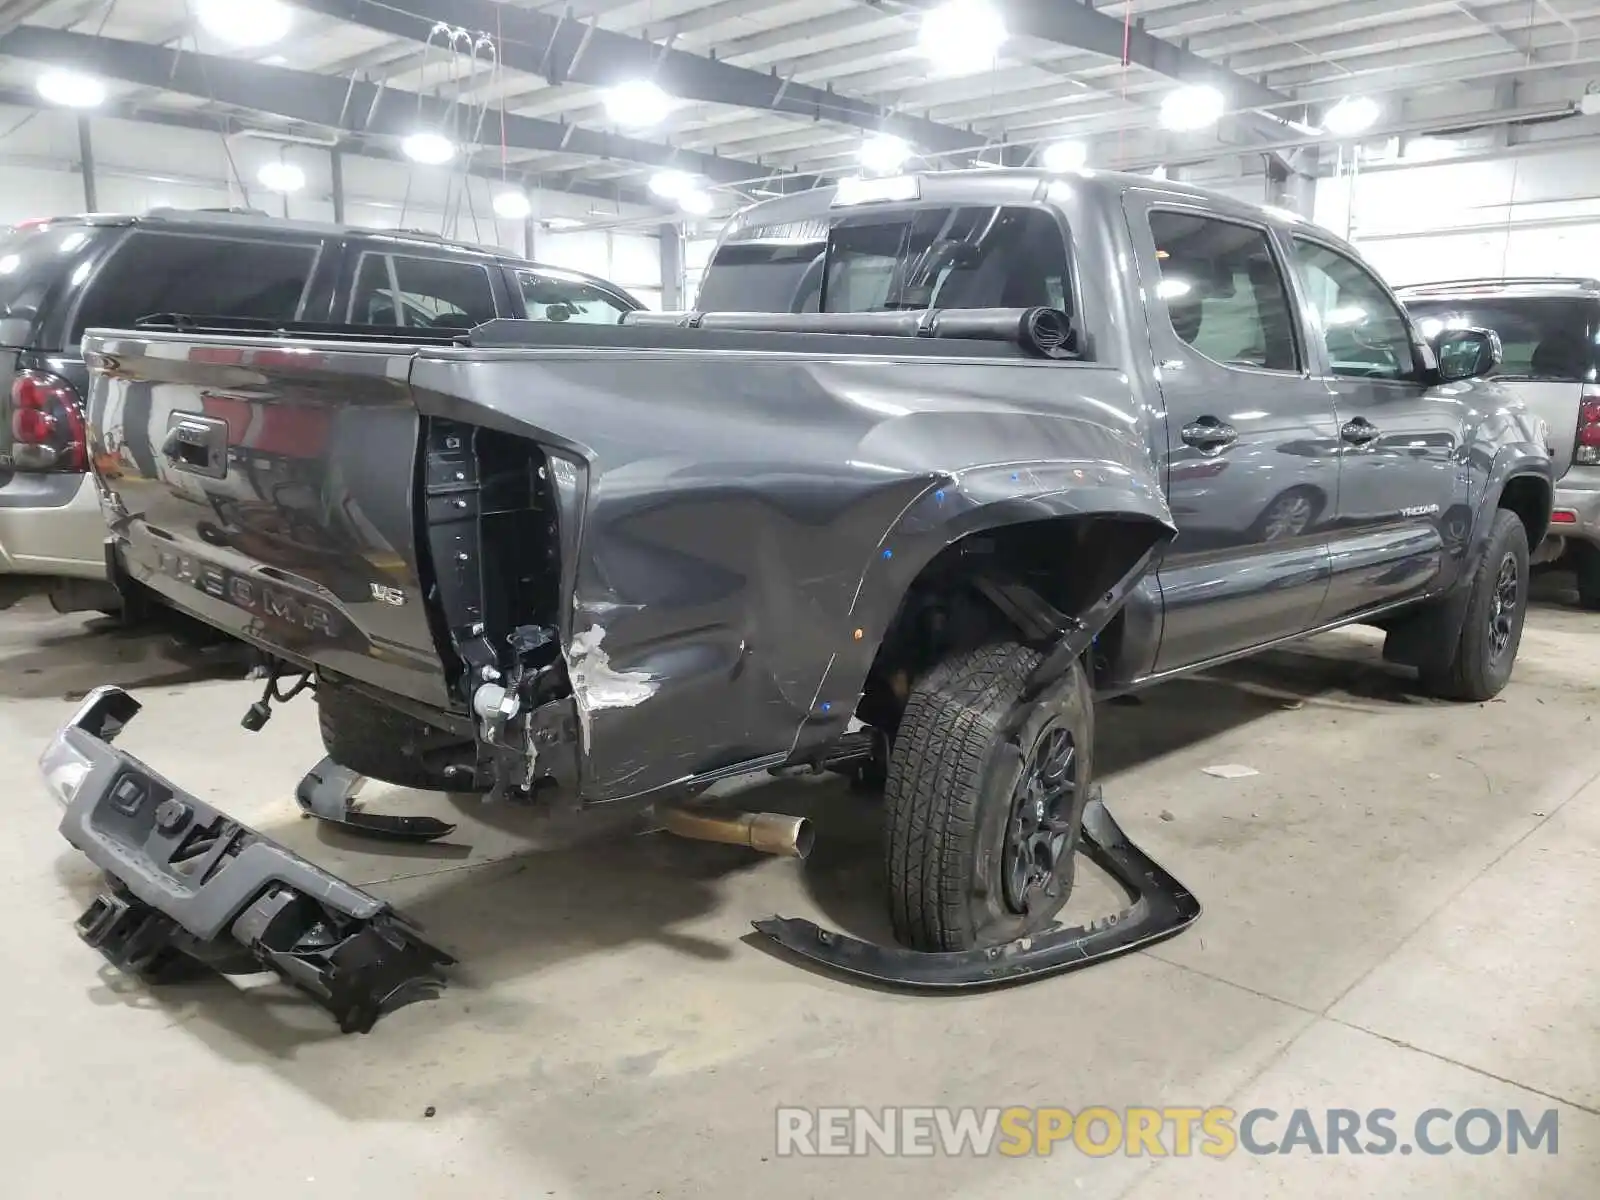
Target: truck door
1250,459
1402,492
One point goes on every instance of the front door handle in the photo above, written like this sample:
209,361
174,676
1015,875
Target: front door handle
1359,431
1208,433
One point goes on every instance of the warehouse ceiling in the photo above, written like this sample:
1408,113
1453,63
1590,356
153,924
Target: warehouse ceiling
689,103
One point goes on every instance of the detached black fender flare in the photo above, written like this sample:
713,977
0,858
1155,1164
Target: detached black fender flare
974,502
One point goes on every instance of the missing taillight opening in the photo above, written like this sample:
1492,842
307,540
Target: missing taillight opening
47,429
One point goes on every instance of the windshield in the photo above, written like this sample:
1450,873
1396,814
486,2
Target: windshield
33,260
1540,337
880,261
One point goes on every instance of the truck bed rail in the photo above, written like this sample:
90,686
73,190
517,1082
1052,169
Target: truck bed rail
1034,332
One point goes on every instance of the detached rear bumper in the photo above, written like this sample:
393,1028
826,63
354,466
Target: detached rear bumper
187,879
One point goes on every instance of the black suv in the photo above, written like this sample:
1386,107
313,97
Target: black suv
59,277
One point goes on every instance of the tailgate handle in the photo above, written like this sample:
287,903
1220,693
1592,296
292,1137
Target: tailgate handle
197,444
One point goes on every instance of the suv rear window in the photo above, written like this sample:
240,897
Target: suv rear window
200,275
966,257
34,259
1542,337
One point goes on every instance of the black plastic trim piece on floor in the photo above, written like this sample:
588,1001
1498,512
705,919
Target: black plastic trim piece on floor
1161,908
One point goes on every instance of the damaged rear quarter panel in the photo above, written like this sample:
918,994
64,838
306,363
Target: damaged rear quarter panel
745,513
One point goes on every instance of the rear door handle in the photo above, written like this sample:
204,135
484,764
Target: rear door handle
197,444
1358,432
1208,433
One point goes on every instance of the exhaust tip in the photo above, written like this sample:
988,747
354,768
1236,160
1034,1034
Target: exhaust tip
769,833
804,838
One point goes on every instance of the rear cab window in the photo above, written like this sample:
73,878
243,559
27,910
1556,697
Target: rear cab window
1542,338
198,274
967,256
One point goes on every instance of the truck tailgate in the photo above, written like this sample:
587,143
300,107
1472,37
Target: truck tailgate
233,485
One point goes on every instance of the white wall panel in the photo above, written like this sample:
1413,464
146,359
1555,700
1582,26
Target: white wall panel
1529,214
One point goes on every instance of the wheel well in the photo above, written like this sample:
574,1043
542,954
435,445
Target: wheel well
1529,497
1052,568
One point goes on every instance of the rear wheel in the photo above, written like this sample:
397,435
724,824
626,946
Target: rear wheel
1586,561
1497,602
383,744
984,800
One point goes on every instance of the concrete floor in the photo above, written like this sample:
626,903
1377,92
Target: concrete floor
1399,913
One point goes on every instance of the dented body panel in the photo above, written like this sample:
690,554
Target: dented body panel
736,531
745,515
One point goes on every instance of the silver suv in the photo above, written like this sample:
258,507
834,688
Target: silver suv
1550,332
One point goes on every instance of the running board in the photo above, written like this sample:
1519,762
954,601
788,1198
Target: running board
1161,908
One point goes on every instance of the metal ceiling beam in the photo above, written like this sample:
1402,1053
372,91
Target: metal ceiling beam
350,106
564,50
1075,23
223,125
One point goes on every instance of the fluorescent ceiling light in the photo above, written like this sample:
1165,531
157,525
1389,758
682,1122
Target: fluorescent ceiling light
1064,156
72,89
512,206
884,153
430,149
637,103
669,185
1352,115
695,202
562,222
282,177
1192,107
246,22
962,35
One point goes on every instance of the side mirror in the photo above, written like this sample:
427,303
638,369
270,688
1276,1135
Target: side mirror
1466,353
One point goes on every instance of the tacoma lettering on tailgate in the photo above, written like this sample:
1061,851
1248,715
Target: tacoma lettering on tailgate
246,593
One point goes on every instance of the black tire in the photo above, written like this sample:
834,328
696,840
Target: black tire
1486,651
954,822
381,743
1586,562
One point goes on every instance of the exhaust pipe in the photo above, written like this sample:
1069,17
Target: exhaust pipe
770,833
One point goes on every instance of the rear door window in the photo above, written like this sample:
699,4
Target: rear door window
889,259
1223,290
198,275
1542,337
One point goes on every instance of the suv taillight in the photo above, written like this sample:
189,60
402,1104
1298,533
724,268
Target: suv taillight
1586,450
47,432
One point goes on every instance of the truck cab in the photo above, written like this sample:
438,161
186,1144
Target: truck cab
1320,466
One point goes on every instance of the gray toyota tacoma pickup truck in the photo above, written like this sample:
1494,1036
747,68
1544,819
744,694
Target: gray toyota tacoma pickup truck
936,460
